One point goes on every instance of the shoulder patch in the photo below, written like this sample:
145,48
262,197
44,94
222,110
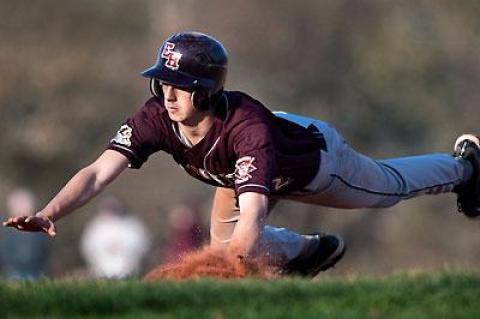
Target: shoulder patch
243,167
123,136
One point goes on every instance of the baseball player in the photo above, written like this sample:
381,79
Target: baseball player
255,157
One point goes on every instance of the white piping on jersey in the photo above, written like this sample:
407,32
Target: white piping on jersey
185,141
208,175
126,149
178,132
227,105
208,153
205,162
175,131
254,185
211,150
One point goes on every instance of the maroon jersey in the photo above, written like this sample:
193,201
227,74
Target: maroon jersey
248,148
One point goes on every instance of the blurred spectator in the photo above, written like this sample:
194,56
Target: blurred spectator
24,255
114,242
185,232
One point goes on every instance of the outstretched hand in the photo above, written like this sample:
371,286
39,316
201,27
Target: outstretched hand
32,223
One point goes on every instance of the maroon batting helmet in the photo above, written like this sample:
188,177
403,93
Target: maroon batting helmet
190,60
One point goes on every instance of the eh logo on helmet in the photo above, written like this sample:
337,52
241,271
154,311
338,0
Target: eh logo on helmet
172,58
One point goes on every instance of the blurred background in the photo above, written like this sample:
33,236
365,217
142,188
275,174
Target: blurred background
395,77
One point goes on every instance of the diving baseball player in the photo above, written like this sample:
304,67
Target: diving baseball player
255,157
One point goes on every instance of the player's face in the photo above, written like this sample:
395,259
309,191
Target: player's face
178,103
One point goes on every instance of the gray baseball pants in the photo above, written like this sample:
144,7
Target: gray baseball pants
348,179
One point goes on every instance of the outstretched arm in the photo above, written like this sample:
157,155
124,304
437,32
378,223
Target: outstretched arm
82,187
253,213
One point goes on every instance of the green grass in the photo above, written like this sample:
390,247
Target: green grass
449,294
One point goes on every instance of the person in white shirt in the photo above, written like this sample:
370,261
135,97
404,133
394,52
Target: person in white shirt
114,242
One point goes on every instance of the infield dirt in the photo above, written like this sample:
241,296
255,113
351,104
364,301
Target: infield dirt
209,263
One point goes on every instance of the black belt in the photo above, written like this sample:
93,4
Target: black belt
318,135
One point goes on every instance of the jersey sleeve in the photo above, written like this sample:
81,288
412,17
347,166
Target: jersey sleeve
255,163
139,136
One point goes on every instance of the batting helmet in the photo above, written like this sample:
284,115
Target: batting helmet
191,60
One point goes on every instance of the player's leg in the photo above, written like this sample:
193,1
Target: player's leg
348,179
297,254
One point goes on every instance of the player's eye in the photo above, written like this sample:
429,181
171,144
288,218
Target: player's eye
189,89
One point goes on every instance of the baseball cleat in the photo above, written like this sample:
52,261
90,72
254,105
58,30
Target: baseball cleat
328,251
467,147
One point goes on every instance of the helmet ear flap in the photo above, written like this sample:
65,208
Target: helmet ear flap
201,99
156,88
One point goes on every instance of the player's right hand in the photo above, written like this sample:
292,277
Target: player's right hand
32,223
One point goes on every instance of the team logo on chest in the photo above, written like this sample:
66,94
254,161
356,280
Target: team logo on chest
172,58
243,167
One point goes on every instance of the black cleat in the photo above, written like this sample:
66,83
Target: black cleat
328,251
467,147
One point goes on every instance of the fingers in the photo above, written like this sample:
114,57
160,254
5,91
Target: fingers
8,222
50,230
32,223
14,222
43,224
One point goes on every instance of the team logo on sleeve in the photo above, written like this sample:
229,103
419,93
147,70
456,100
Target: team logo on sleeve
172,58
243,167
123,136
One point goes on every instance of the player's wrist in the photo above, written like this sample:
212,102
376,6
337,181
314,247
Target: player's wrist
44,216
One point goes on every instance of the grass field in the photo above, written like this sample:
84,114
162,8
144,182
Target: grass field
449,294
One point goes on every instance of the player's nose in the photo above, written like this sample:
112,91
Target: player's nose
169,92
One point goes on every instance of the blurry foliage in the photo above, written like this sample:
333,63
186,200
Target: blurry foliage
63,81
396,77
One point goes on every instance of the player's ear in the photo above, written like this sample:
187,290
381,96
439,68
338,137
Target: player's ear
200,99
156,88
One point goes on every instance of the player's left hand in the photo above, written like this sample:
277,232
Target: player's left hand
32,224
